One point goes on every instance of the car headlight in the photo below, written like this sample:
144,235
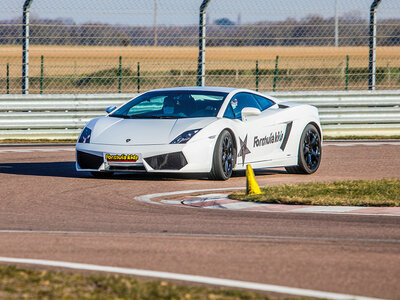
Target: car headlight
85,135
185,137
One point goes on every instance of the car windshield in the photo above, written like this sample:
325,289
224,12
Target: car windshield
172,105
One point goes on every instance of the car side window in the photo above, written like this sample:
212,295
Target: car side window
264,102
238,102
229,112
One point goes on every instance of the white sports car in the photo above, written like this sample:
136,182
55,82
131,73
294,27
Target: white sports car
210,130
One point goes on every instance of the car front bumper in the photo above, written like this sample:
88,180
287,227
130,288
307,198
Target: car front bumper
195,157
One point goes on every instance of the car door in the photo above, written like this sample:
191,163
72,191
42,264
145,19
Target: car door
276,129
245,129
260,136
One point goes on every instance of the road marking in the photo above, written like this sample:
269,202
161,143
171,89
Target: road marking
220,201
350,144
325,209
242,205
185,277
36,150
147,198
176,202
206,235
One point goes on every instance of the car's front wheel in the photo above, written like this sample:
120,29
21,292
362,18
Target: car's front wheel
309,152
224,157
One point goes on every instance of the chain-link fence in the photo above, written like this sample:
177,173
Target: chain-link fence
99,46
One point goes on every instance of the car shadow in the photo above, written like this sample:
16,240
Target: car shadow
52,169
66,169
259,172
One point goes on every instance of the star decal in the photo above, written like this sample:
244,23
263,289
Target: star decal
243,149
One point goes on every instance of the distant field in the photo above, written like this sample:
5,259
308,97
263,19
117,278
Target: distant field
70,60
92,69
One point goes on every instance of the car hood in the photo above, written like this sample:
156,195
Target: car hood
116,131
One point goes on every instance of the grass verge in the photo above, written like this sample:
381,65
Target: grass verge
385,192
20,283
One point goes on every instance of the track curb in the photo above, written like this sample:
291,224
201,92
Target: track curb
218,199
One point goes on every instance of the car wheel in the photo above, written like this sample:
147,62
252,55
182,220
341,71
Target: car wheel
102,174
224,158
310,152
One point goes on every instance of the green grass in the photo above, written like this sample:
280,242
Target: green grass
106,80
19,283
385,192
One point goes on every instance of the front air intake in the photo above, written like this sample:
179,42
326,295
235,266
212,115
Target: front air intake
170,161
88,161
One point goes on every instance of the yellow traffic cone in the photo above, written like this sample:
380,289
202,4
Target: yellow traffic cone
252,187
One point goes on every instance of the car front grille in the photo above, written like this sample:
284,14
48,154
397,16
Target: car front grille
136,168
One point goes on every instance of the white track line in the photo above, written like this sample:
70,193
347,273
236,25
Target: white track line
185,277
36,150
147,198
350,144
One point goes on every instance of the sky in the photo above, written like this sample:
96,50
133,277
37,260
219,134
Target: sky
185,12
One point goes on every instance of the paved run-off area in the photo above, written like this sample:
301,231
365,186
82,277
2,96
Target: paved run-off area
48,211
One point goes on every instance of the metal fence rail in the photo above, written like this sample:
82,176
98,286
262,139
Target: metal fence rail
63,116
99,46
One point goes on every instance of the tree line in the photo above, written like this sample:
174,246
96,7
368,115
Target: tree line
313,30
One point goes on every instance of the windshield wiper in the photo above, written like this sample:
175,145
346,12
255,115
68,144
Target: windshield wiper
143,117
154,117
171,117
119,116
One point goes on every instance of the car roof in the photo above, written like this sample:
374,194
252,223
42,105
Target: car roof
200,88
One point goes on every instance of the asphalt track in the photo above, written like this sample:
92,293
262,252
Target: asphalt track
48,211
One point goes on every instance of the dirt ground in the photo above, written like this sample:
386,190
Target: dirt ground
67,60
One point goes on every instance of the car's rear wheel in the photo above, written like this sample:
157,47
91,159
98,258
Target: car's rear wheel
310,152
102,174
224,157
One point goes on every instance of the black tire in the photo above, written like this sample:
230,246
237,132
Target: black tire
224,158
102,174
310,152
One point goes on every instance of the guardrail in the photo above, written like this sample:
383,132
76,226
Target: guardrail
63,116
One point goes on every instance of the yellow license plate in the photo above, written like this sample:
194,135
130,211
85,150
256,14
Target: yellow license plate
122,157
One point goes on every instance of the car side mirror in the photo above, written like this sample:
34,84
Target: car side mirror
110,109
249,112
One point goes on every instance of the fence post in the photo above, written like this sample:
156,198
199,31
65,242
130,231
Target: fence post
372,44
8,78
202,44
347,73
336,24
41,73
120,74
138,77
155,22
275,74
257,75
25,46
